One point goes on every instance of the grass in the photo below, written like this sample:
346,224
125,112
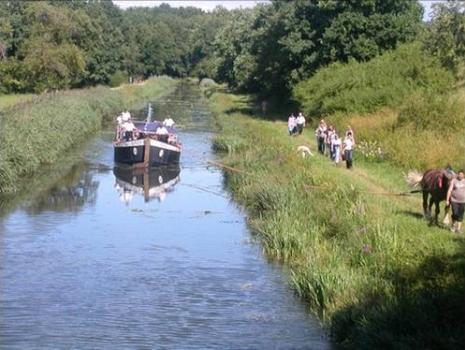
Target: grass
369,266
35,133
10,100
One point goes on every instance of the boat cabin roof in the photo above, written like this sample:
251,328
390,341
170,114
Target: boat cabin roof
152,126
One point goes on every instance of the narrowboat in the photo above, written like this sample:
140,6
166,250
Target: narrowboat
145,143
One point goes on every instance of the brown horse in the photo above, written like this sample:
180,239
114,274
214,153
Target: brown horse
434,185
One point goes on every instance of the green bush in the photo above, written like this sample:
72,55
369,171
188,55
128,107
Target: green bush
365,87
118,78
433,111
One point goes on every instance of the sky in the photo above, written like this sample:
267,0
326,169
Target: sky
208,5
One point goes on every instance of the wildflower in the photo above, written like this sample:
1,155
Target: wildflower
366,249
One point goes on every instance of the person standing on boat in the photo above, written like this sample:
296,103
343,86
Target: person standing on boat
456,198
168,122
162,133
119,129
300,120
128,127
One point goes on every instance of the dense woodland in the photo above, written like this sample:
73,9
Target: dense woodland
267,50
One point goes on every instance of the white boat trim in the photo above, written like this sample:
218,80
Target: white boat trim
155,143
159,144
134,143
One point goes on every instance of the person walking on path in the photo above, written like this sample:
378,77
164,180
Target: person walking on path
456,198
350,131
328,138
336,148
320,134
300,123
348,145
292,124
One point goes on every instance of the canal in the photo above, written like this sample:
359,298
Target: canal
111,259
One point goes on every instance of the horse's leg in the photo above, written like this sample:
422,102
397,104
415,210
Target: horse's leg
426,215
430,207
437,211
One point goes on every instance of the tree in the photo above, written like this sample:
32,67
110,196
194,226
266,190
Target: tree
288,41
446,35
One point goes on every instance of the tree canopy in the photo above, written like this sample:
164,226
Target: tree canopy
266,50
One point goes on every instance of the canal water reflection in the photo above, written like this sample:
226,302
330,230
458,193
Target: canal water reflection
113,259
149,183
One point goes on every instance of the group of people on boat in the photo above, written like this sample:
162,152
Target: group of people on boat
126,130
332,145
125,127
295,124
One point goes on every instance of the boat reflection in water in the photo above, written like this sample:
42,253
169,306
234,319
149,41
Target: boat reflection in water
150,183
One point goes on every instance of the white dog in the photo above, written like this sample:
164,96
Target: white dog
305,151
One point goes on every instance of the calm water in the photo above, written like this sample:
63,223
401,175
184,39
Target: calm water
109,259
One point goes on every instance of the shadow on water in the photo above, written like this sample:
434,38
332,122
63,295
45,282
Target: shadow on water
424,310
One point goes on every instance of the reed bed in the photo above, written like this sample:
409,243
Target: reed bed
369,266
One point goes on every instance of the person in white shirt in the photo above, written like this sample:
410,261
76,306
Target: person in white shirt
300,120
119,129
350,131
125,116
348,145
328,138
320,134
162,133
336,148
168,122
128,128
161,130
292,125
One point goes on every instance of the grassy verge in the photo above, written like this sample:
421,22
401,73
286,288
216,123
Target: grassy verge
369,266
36,132
10,100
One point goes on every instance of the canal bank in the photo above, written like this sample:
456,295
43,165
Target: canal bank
367,264
38,131
89,263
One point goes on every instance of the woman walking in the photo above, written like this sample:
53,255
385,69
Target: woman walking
337,148
300,120
292,124
320,134
456,198
348,144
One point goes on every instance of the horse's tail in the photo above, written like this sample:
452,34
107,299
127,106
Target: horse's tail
413,178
